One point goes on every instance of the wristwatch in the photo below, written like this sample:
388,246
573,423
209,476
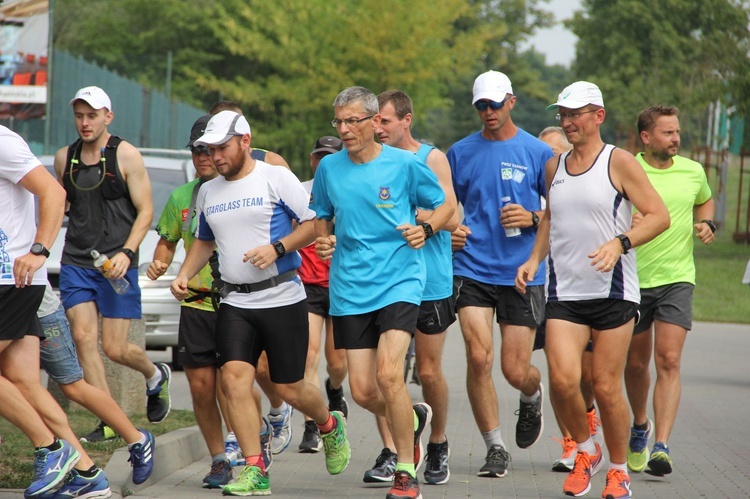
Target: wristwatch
129,253
278,246
625,242
534,219
710,224
39,249
428,232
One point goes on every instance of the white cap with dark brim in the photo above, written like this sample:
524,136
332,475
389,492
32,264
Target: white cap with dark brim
222,127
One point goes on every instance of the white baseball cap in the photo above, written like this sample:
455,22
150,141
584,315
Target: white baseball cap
492,85
94,96
579,94
222,127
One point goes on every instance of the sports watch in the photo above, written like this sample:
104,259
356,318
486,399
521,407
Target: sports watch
428,232
625,242
534,219
710,224
278,246
39,249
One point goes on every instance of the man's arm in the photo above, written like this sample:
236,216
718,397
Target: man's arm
325,242
263,256
139,187
704,211
163,255
196,258
438,163
51,197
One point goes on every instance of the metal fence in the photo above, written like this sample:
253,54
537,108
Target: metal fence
144,117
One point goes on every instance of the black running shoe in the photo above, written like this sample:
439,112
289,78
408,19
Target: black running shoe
436,470
424,416
385,467
496,463
336,399
530,423
102,433
311,441
159,401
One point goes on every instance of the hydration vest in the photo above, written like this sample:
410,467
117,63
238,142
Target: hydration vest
112,185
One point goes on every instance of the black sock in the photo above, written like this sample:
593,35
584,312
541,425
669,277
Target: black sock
641,427
53,446
89,473
590,409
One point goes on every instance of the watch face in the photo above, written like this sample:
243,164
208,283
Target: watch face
39,249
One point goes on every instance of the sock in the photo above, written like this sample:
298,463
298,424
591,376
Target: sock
55,445
221,456
591,409
256,461
329,425
588,446
142,441
641,427
153,381
277,411
621,467
232,438
527,399
89,473
493,437
407,467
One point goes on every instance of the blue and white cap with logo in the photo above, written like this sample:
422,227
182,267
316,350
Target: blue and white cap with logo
222,127
579,94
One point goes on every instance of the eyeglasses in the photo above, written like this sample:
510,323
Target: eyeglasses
482,105
335,123
572,116
198,150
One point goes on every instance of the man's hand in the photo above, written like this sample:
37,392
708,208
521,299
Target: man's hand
118,265
156,269
704,232
414,235
458,237
325,246
524,274
179,287
515,215
605,257
261,257
25,267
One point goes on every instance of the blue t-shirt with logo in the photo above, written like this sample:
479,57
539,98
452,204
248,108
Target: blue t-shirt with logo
484,171
373,266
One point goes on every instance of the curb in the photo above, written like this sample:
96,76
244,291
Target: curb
174,451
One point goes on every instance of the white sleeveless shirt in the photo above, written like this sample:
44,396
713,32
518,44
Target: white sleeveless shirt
586,211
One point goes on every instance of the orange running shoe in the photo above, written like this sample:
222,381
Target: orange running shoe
578,481
568,458
618,485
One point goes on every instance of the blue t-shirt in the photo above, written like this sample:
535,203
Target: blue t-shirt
437,254
373,266
483,172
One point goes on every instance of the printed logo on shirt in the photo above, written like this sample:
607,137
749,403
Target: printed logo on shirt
384,193
507,173
518,176
184,214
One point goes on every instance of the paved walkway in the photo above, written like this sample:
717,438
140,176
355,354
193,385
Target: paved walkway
710,443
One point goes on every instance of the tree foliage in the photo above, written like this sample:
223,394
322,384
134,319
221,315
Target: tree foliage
675,52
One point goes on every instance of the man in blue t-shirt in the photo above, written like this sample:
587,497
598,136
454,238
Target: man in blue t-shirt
377,278
498,176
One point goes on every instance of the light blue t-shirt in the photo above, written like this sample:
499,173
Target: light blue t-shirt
483,172
373,266
437,254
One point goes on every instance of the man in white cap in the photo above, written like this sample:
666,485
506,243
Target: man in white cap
593,289
248,214
498,176
110,211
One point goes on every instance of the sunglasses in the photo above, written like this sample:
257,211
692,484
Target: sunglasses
198,150
482,105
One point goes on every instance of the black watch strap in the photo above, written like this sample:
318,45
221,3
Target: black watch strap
129,253
428,232
534,219
625,242
278,246
39,249
710,224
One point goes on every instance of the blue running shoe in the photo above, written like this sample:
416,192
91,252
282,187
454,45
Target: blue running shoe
142,458
660,463
266,435
282,430
81,487
233,451
220,475
50,467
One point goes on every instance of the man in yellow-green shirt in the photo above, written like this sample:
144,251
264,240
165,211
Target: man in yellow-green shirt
666,272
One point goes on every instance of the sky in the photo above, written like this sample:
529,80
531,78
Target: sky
557,43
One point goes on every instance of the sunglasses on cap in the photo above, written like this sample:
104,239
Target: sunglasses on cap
198,150
482,105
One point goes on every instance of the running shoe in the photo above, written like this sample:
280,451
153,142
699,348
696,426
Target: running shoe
336,399
142,458
159,402
385,467
232,450
266,433
595,426
436,470
282,430
578,482
618,485
495,463
530,423
250,482
51,467
660,463
405,486
638,448
311,441
102,433
568,458
424,416
78,486
336,446
219,475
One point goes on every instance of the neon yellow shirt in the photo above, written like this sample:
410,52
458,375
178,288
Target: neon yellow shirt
668,259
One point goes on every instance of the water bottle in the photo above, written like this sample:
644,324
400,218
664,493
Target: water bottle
102,263
510,231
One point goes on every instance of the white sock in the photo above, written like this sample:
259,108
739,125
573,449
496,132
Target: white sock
277,411
153,381
526,399
589,447
493,437
231,437
141,441
621,467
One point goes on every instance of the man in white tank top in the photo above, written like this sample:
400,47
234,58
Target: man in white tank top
593,285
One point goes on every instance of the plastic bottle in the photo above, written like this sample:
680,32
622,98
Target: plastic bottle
510,231
102,263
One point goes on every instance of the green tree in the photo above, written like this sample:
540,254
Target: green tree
678,52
